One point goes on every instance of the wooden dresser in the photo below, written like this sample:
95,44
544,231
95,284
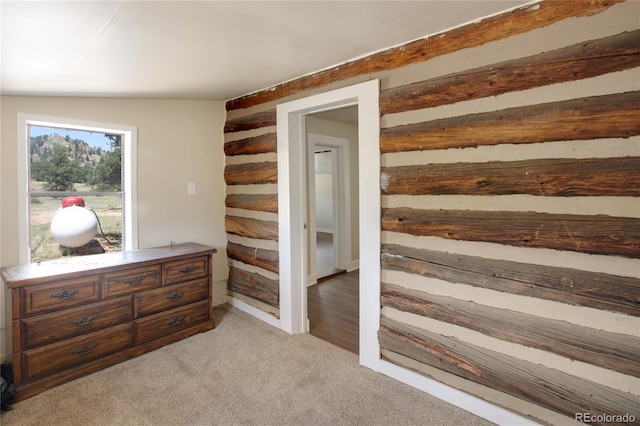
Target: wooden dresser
74,316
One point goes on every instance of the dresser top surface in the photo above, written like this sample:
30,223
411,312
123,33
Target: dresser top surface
32,273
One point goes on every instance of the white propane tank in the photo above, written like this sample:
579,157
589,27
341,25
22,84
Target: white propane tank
73,225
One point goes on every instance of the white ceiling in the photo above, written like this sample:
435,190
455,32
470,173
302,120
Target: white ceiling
203,49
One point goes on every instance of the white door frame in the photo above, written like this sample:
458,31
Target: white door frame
292,209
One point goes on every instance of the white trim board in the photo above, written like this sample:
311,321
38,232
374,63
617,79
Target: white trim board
453,396
254,312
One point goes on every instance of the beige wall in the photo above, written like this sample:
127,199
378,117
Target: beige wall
178,142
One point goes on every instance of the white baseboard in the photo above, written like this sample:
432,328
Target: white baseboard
255,312
312,279
453,396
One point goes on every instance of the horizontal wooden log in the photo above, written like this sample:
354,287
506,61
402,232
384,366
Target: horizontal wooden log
258,202
266,259
572,286
517,21
262,144
251,173
577,62
549,177
599,234
612,351
607,116
543,386
254,285
250,122
252,228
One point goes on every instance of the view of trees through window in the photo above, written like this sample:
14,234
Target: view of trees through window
79,163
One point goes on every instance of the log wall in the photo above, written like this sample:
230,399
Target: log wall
510,176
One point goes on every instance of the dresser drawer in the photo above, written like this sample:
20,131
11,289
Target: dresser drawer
185,270
72,322
60,294
165,323
131,280
69,353
160,299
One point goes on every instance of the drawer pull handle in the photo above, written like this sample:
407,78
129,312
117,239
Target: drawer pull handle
65,295
84,350
82,321
176,321
188,269
175,296
134,281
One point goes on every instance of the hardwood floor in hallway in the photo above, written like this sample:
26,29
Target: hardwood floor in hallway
333,309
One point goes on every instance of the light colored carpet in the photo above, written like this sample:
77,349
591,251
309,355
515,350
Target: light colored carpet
244,372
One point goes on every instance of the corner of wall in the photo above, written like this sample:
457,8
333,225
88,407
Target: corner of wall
219,292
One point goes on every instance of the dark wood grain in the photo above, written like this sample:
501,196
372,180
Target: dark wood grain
577,62
251,173
254,285
573,286
72,322
252,228
258,202
252,121
607,116
77,267
598,234
548,177
267,259
256,145
613,351
153,327
333,310
130,280
47,360
168,297
547,387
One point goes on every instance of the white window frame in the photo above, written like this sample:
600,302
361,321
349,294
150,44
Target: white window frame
129,184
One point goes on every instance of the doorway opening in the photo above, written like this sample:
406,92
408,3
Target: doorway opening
293,210
332,194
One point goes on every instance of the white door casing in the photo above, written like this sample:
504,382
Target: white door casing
292,211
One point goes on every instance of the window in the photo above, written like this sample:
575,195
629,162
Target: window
77,187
